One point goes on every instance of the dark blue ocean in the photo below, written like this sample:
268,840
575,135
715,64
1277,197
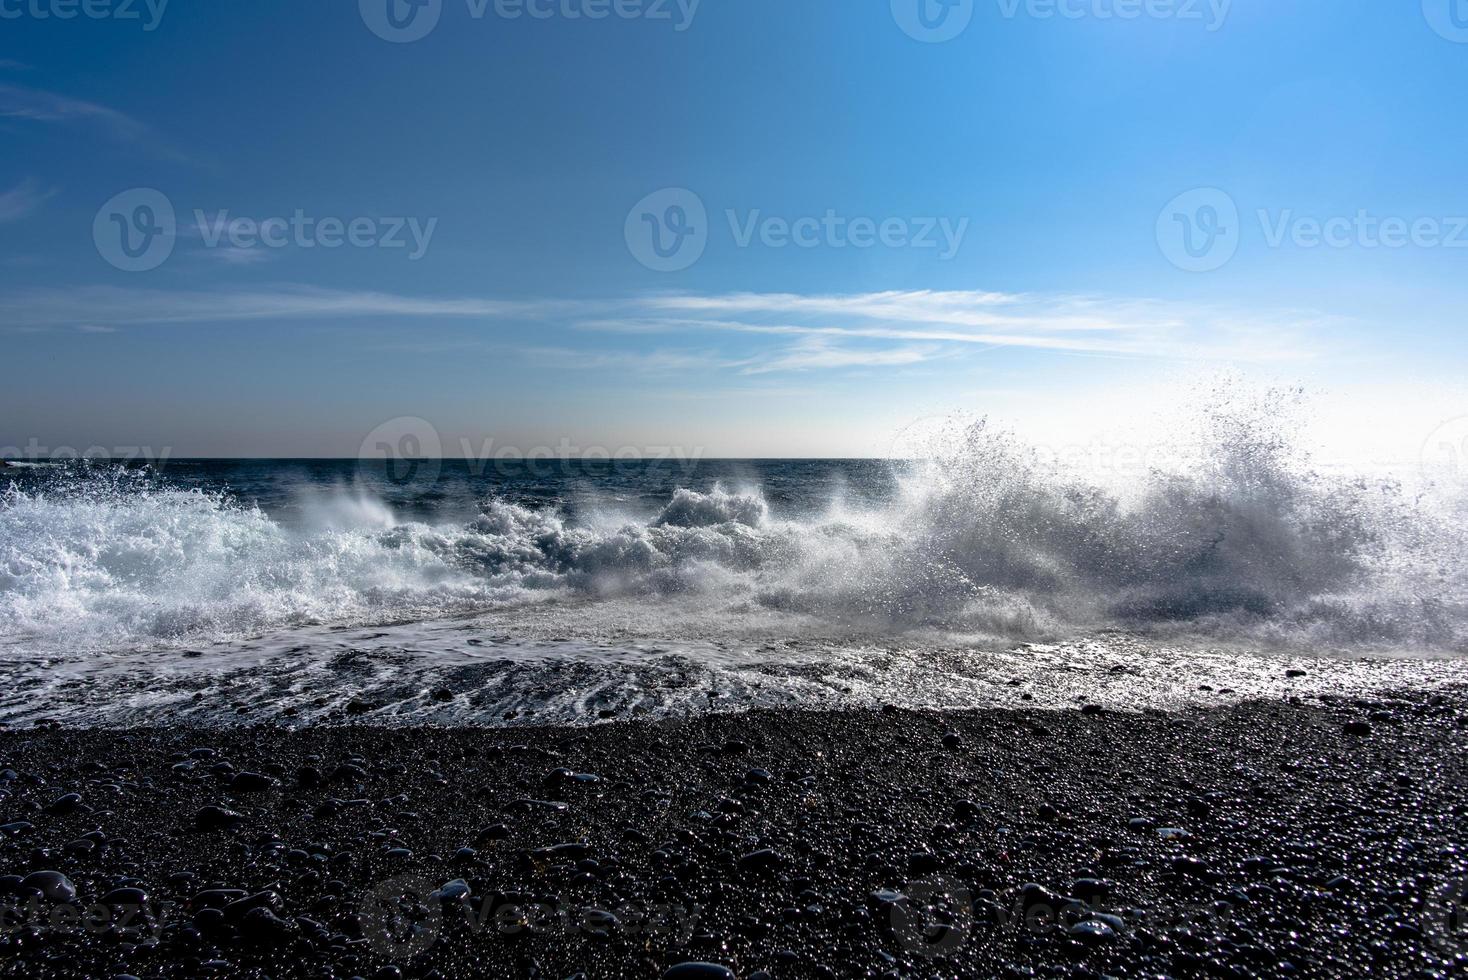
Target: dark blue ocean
513,590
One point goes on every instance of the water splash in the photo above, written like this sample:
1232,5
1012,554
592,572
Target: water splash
1241,540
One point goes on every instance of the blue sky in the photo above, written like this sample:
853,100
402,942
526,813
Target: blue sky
884,226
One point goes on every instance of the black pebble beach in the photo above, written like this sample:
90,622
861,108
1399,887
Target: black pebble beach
1267,840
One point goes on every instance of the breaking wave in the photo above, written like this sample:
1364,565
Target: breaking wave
984,536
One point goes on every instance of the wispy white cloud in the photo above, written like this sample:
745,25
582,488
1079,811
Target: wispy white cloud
230,255
10,64
573,358
802,333
819,354
24,199
116,306
1071,324
35,105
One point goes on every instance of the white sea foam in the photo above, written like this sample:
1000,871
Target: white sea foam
984,539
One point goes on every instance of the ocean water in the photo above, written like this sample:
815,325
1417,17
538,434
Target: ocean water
514,592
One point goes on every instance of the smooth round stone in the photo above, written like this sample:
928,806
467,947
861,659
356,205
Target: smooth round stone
1037,896
1090,889
599,922
698,971
497,831
125,897
251,782
1092,931
53,885
264,926
761,860
65,804
453,891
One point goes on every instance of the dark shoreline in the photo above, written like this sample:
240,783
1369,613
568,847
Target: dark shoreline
802,844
